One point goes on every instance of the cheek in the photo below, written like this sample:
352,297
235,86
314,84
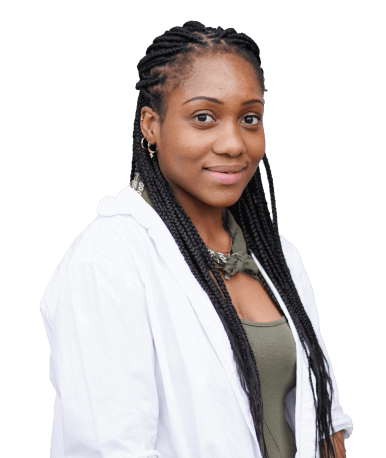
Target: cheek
183,148
256,148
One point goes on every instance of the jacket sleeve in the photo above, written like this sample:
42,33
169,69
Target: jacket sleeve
340,420
102,361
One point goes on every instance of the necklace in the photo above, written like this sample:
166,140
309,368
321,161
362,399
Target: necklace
221,258
227,253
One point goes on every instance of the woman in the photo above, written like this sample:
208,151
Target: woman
181,324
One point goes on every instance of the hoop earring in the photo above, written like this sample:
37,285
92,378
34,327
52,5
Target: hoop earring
150,151
148,147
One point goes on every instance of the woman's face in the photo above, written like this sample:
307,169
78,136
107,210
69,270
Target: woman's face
213,125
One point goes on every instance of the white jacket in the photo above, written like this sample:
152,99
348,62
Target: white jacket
140,361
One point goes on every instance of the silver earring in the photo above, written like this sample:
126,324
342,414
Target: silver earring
152,152
149,145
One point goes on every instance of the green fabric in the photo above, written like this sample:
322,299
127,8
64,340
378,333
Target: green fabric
272,343
274,348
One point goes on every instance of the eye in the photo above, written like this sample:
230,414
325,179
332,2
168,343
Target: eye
201,117
251,119
204,117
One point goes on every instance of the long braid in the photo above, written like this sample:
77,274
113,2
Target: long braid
170,52
321,369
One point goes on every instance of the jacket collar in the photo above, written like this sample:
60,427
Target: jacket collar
129,202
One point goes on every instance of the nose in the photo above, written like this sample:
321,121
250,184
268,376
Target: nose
229,140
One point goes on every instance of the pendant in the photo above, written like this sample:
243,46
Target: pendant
227,276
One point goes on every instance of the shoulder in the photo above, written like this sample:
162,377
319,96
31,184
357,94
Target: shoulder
106,245
107,241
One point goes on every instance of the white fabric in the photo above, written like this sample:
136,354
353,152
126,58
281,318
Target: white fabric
140,361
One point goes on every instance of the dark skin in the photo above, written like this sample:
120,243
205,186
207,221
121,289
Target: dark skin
340,451
221,127
187,145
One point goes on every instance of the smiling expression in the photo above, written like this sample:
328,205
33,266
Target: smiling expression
213,125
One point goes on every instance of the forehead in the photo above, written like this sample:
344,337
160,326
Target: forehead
220,76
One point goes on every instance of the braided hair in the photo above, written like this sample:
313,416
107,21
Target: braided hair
160,70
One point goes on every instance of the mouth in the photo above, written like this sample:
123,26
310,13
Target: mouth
227,168
226,176
229,173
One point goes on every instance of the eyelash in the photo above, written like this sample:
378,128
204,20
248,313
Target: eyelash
247,115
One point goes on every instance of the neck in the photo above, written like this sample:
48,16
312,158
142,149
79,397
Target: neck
208,222
209,226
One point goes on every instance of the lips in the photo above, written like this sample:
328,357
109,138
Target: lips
226,176
227,168
228,172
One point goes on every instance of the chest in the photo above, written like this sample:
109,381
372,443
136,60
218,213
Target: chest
250,299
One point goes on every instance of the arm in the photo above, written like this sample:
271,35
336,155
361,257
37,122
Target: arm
102,362
338,440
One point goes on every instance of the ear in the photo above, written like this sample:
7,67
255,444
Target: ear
150,125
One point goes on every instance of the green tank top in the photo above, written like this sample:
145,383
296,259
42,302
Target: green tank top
274,348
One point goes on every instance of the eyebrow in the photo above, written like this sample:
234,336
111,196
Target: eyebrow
211,99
